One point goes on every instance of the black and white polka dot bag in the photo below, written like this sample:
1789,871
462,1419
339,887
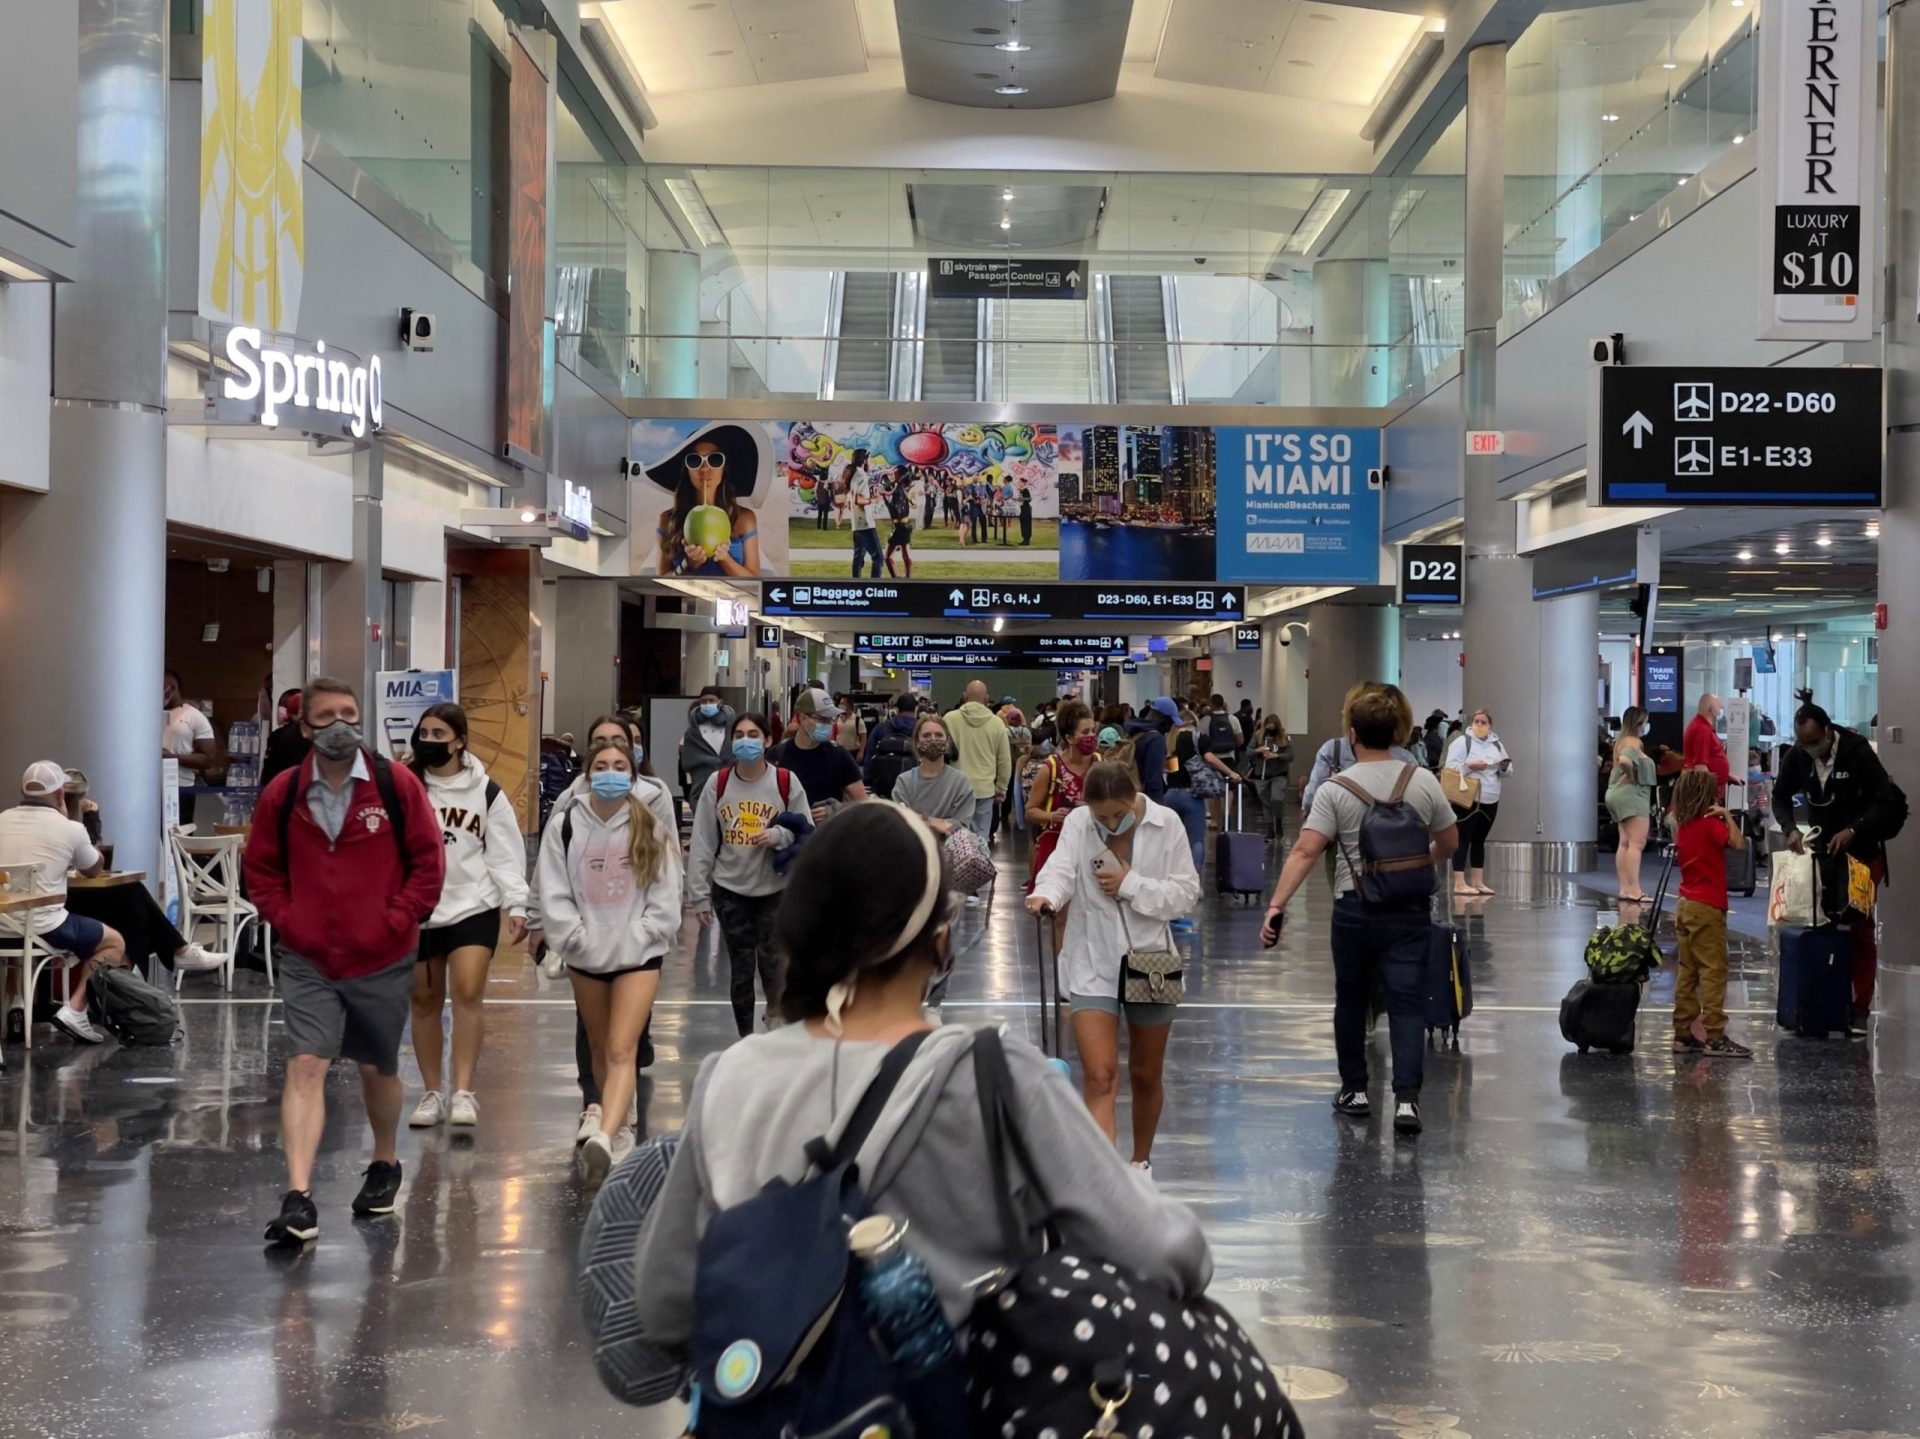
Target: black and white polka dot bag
1066,1345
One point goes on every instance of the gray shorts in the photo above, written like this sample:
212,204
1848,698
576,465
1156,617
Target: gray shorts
1146,1016
358,1019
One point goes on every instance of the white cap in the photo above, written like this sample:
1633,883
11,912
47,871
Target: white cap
43,777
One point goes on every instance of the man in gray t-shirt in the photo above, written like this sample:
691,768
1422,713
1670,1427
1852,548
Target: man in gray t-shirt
1337,811
1373,944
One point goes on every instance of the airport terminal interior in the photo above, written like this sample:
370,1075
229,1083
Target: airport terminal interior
1427,492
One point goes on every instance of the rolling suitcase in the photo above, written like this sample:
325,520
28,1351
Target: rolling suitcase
1600,1016
1239,858
1743,865
1449,981
1051,1039
1816,980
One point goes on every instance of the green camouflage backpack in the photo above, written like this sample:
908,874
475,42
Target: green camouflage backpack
1622,954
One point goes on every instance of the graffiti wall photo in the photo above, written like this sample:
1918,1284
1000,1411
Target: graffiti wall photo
1137,503
923,501
708,502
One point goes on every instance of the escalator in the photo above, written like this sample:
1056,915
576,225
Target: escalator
1142,366
865,332
951,368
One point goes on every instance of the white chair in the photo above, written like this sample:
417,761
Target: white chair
210,892
20,946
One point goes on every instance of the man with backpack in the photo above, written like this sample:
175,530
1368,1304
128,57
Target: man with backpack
890,747
1391,829
345,860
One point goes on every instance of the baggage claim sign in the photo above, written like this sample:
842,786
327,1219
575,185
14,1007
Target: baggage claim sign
1299,506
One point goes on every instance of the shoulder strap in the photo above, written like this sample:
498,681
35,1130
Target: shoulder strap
1400,786
1021,1239
493,793
827,1158
1352,787
566,831
390,798
783,778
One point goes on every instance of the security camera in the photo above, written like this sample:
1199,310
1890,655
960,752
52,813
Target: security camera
635,469
417,329
1199,259
1284,641
1377,478
1609,350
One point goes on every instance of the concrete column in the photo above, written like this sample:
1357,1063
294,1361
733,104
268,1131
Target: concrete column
352,592
1489,521
1897,1002
83,567
1346,644
586,653
673,325
1350,317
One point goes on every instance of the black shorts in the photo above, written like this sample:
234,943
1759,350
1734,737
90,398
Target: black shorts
608,976
902,535
481,930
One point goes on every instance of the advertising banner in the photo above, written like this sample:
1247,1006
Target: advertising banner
1139,503
403,697
1298,506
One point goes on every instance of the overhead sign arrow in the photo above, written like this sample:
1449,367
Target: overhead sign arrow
1228,599
1639,426
959,597
1073,279
777,595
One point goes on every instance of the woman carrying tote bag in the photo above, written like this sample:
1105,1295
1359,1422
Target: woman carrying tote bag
1476,766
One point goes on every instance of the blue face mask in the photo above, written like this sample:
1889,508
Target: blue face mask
639,754
611,784
1119,829
749,751
822,733
709,711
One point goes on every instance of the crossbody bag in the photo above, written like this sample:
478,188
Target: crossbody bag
1149,976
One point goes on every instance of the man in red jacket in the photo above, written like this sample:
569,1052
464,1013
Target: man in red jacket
1701,749
345,859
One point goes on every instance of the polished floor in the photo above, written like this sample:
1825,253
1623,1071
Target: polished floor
1576,1246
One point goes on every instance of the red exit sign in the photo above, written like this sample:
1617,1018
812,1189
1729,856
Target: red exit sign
1486,442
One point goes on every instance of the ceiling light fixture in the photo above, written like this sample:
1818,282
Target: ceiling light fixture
1824,541
1873,529
1010,89
1739,139
1609,117
1006,222
1006,194
1669,65
999,623
1319,215
1744,555
1013,47
1783,548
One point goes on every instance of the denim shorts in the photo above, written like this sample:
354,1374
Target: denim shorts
1146,1016
76,935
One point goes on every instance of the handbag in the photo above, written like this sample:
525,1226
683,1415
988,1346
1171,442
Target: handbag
1150,976
969,864
1462,790
1062,1343
1205,781
1790,889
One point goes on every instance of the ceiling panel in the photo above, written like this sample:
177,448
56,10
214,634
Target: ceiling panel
948,50
1340,54
801,39
1232,44
681,45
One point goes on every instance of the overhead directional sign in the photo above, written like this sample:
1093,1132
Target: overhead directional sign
1016,279
1246,637
1724,435
1014,659
1432,575
769,637
934,600
993,647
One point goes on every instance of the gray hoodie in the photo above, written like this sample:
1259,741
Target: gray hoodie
597,917
722,852
649,791
771,1093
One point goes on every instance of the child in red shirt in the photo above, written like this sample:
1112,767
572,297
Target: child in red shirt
1705,831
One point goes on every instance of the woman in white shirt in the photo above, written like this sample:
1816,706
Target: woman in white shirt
1476,753
1122,870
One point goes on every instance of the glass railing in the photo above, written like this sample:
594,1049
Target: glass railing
798,367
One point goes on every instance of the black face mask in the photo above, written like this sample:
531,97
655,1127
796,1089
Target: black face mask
433,752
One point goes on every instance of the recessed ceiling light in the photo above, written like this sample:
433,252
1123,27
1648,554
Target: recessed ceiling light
1873,530
1783,548
1010,89
1744,555
1006,223
985,30
1014,47
1739,139
1669,65
1824,541
1609,117
1683,179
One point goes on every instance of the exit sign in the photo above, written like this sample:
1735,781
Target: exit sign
1486,442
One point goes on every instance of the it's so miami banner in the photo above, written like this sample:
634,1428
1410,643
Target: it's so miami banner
1298,505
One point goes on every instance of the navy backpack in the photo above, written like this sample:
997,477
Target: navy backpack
1396,856
781,1342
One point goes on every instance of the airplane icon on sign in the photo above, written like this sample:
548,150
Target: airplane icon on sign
1693,455
1693,402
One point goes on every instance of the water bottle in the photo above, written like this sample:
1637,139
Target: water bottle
900,1300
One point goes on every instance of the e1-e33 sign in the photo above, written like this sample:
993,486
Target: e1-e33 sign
1432,575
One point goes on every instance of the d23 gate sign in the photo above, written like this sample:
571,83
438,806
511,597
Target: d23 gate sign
1299,506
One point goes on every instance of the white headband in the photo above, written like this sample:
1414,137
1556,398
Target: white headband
840,995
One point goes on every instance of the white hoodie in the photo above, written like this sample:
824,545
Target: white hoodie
594,915
486,853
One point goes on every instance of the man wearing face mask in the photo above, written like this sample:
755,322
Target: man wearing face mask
1855,806
825,770
345,860
707,745
1701,749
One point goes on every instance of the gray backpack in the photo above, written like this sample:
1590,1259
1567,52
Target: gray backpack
1396,859
131,1010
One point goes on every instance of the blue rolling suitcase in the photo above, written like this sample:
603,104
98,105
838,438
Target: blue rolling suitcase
1449,981
1816,980
1239,858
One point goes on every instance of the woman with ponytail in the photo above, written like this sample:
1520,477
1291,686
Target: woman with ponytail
860,957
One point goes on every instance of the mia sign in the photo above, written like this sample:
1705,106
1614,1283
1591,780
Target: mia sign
279,377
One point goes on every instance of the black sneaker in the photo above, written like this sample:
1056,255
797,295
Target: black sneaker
1406,1117
1686,1044
297,1223
1724,1048
1352,1103
376,1196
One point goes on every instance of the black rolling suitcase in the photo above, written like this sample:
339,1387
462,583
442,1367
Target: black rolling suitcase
1600,1016
1816,980
1052,1041
1239,858
1449,981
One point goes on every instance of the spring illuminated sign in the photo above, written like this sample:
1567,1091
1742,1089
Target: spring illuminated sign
312,382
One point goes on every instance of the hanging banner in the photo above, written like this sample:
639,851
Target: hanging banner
1819,168
1299,506
403,697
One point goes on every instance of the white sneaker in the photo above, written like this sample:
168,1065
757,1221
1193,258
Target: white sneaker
1145,1166
197,959
464,1111
551,963
589,1125
623,1142
76,1023
431,1110
596,1158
